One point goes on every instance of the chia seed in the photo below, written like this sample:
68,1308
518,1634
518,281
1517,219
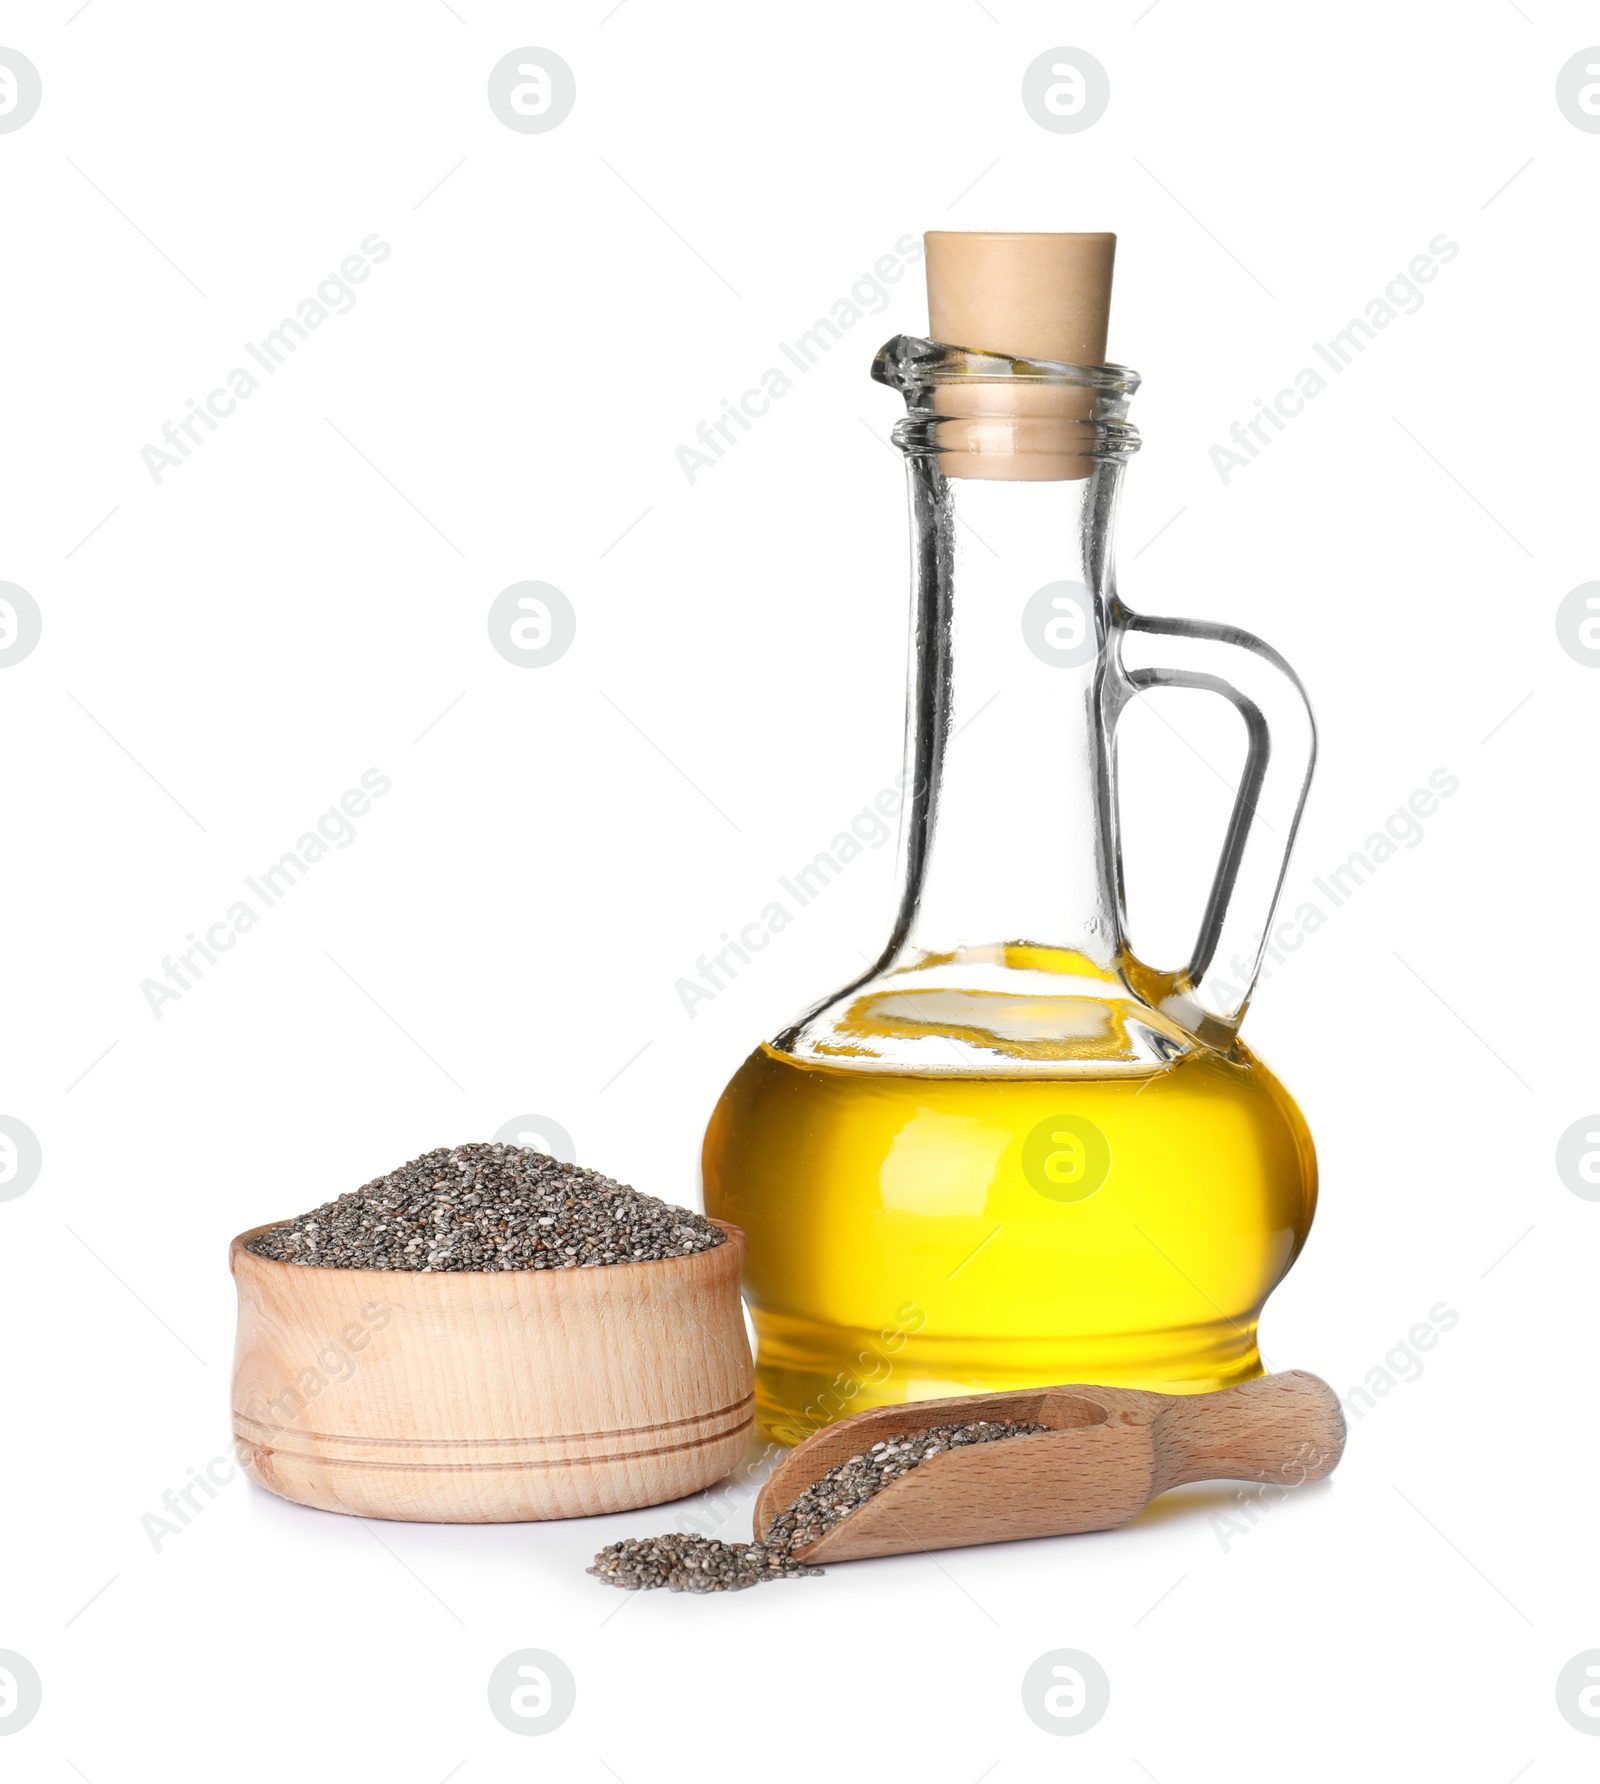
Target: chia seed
488,1207
685,1563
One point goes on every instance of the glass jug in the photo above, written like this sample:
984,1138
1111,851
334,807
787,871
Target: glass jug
1013,1153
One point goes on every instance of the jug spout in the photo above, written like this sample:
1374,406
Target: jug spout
994,417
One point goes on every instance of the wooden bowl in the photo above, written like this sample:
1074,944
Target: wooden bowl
491,1397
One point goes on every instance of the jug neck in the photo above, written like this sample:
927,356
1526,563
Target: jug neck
1009,846
1009,841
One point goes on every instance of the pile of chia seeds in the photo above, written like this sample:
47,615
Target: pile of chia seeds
694,1564
488,1207
703,1564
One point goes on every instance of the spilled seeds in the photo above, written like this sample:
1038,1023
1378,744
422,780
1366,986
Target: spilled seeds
488,1207
683,1563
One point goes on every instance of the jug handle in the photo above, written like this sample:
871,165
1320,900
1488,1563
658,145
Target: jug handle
1209,996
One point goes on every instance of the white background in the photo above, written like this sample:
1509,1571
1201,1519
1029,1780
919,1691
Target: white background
233,646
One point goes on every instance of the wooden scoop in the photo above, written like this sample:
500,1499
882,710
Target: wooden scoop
1107,1454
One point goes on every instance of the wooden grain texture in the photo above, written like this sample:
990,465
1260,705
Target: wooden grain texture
1109,1452
480,1397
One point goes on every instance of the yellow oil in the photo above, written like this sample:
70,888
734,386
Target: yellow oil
914,1236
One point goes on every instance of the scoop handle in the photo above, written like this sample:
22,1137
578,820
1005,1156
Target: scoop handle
1288,1429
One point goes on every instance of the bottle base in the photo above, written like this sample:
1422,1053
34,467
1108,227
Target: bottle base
810,1376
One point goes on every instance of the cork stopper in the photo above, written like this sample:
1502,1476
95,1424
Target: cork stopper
1027,296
